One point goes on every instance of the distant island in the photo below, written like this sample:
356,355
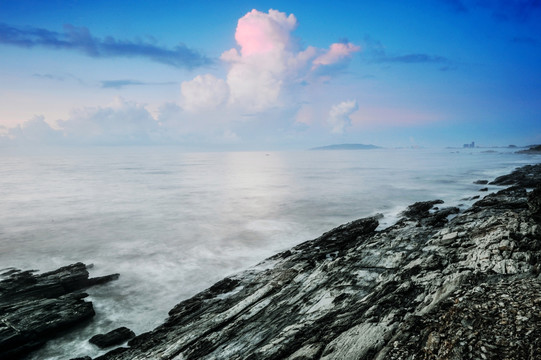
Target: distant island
347,147
533,149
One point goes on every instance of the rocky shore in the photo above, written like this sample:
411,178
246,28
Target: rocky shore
439,284
37,307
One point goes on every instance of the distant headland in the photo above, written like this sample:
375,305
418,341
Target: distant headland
347,147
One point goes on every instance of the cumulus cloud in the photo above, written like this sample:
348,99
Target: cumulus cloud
268,61
80,39
204,92
259,71
34,131
339,115
122,122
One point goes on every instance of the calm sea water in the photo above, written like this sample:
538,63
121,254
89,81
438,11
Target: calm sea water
173,223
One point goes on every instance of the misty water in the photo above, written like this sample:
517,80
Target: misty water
173,223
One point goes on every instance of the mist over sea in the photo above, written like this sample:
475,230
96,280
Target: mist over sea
173,223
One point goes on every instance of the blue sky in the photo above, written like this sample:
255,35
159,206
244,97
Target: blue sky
263,75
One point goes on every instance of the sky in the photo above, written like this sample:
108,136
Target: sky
270,75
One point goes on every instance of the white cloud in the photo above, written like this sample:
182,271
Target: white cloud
337,52
34,131
339,115
204,92
122,122
265,67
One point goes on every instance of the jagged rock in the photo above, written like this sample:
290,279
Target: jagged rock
37,307
526,176
429,287
113,337
420,209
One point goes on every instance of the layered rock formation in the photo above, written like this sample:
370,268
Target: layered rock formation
438,284
37,307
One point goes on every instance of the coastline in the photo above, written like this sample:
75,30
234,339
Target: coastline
355,292
358,292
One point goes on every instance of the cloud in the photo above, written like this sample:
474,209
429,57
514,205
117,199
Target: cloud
337,53
267,56
80,39
122,122
34,131
376,53
413,59
269,63
204,92
118,84
339,115
50,77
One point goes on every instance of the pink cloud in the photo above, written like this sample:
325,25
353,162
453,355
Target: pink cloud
267,67
336,53
260,33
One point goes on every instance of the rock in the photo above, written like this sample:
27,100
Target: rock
481,182
438,284
526,177
37,307
484,189
113,337
420,209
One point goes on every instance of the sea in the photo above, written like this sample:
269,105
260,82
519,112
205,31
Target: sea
172,222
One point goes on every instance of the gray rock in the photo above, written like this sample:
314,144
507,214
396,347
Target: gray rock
113,337
37,307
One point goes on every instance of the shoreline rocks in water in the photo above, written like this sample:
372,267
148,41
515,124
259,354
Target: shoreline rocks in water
113,337
37,307
436,285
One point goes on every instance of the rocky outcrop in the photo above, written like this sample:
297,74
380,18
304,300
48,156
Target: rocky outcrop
438,284
113,337
37,307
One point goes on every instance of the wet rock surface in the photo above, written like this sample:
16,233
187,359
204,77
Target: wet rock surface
438,284
37,307
113,337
